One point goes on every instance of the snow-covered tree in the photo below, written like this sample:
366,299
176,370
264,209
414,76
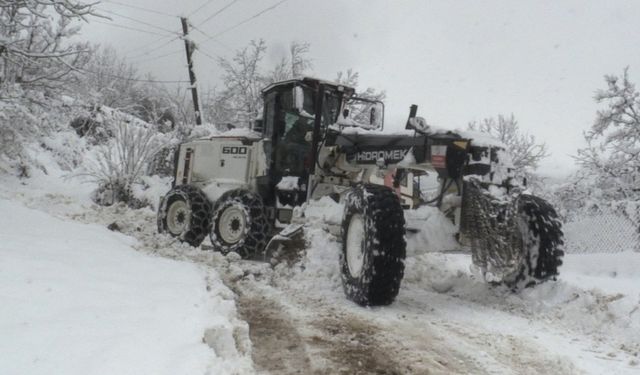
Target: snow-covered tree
608,179
525,150
240,101
35,41
612,155
295,65
109,80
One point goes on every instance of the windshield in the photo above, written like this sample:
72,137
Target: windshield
301,102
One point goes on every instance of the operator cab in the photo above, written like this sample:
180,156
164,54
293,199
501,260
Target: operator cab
292,131
288,124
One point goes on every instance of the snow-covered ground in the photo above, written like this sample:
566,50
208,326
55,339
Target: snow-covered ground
76,297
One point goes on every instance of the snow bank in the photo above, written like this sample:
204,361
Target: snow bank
595,304
76,299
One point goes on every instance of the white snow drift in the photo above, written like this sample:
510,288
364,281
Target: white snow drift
77,299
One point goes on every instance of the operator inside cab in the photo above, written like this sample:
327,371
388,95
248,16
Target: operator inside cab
294,145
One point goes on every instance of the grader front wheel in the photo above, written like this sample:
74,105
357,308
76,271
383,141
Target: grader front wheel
542,237
373,245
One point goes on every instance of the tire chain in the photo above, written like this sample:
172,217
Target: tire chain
258,228
200,213
492,226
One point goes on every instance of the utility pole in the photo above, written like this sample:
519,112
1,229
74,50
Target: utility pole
188,45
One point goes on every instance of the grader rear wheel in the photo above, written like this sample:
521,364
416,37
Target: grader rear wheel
240,224
185,213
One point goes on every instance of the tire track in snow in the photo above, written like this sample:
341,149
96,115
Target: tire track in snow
277,346
318,341
294,334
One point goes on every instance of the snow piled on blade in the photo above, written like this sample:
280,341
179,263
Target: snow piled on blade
77,299
481,138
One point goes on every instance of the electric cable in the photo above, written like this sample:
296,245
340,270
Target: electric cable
139,8
136,20
129,28
83,70
246,20
147,52
218,12
200,7
157,57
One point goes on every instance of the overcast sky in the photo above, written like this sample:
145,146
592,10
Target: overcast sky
458,60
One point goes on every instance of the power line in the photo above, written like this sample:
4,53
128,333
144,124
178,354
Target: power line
129,28
139,8
157,57
199,49
146,45
148,51
211,38
246,20
85,71
136,20
218,12
200,7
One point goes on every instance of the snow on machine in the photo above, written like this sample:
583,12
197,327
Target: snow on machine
317,139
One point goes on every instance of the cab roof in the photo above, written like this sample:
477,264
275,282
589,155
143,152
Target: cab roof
312,82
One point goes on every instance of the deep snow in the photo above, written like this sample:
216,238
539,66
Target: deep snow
77,299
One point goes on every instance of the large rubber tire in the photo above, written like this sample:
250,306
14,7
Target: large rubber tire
185,213
543,241
240,224
373,245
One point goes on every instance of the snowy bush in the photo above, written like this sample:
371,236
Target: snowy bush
30,122
86,126
17,124
121,162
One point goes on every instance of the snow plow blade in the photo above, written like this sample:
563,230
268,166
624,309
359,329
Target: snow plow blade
292,233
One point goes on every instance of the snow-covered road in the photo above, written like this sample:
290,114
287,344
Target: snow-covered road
445,319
